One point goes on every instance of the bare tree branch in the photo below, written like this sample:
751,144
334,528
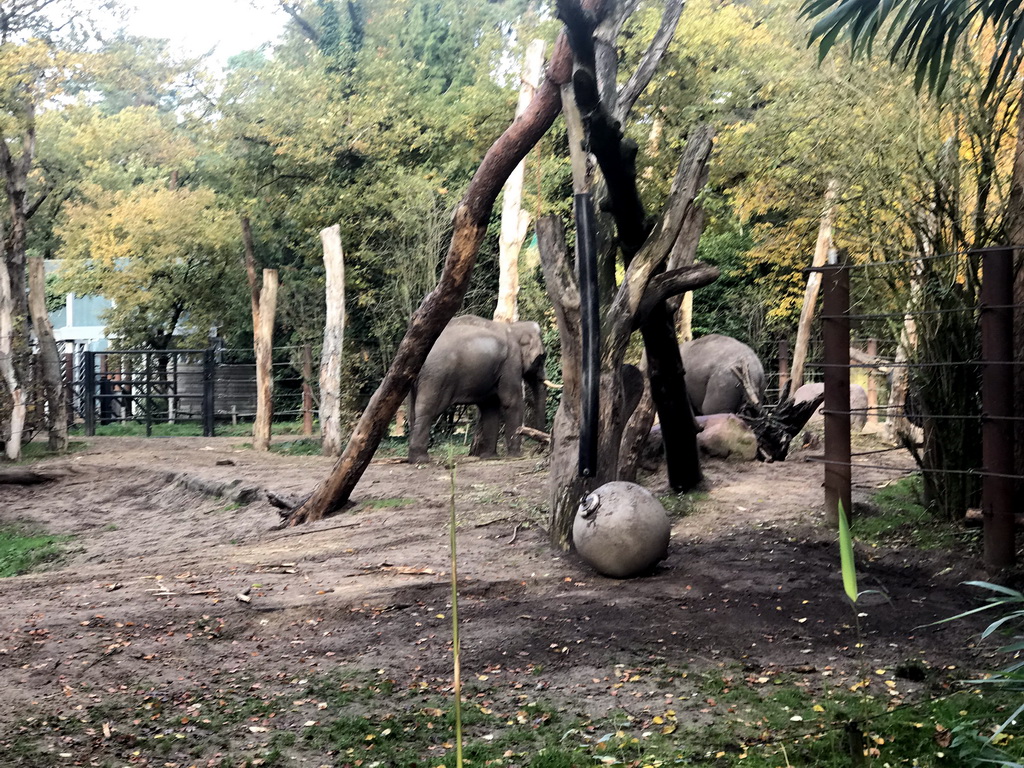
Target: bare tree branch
307,29
667,284
641,77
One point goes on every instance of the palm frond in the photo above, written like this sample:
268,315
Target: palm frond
921,35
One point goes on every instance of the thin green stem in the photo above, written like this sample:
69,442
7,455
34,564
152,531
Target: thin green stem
455,620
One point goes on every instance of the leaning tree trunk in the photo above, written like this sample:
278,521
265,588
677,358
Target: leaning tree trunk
440,305
53,383
803,329
334,337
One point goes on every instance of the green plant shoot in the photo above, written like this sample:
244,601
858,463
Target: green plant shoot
846,564
457,675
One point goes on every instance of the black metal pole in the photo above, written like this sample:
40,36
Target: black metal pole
149,394
89,391
209,370
997,408
590,323
835,322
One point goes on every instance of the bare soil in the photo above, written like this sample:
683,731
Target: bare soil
145,603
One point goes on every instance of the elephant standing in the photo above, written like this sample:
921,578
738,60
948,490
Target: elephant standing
713,367
484,363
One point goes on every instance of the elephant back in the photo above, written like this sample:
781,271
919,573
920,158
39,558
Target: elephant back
712,363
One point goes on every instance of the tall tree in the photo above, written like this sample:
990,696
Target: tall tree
441,304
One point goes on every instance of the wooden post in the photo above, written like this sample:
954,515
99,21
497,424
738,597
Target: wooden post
263,302
783,370
997,408
307,391
56,407
334,337
514,220
821,250
872,384
836,331
264,343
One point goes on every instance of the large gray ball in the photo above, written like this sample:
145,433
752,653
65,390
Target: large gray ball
621,530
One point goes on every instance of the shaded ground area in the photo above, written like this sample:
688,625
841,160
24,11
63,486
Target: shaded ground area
137,651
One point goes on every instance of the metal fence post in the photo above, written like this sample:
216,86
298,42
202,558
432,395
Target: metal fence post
149,394
997,408
89,391
209,379
836,334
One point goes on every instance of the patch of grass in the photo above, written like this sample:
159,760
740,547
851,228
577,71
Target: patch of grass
682,504
187,429
724,718
22,550
397,501
37,451
395,447
304,446
902,520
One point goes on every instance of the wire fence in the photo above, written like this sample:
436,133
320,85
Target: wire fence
938,367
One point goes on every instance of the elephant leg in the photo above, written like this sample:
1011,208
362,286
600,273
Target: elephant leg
723,395
485,439
512,417
419,436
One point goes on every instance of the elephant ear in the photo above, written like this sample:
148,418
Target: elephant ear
531,346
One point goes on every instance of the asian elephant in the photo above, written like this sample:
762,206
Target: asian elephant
484,363
713,365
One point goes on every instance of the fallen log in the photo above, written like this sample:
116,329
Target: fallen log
534,434
24,477
975,519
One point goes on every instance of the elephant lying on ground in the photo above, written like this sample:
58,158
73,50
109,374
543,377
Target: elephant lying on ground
713,366
858,403
484,363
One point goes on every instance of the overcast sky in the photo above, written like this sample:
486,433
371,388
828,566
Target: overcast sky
196,26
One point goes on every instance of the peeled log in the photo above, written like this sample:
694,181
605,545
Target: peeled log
621,530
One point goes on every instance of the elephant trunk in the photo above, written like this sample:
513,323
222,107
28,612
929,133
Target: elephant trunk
537,399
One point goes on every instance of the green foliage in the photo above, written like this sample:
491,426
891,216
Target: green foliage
923,36
949,290
23,551
161,255
902,520
846,562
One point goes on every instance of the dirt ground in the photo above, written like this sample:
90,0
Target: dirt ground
145,604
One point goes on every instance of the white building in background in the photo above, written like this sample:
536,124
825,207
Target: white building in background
79,323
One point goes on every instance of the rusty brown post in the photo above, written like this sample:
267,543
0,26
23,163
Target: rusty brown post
835,322
872,384
307,391
783,369
997,408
